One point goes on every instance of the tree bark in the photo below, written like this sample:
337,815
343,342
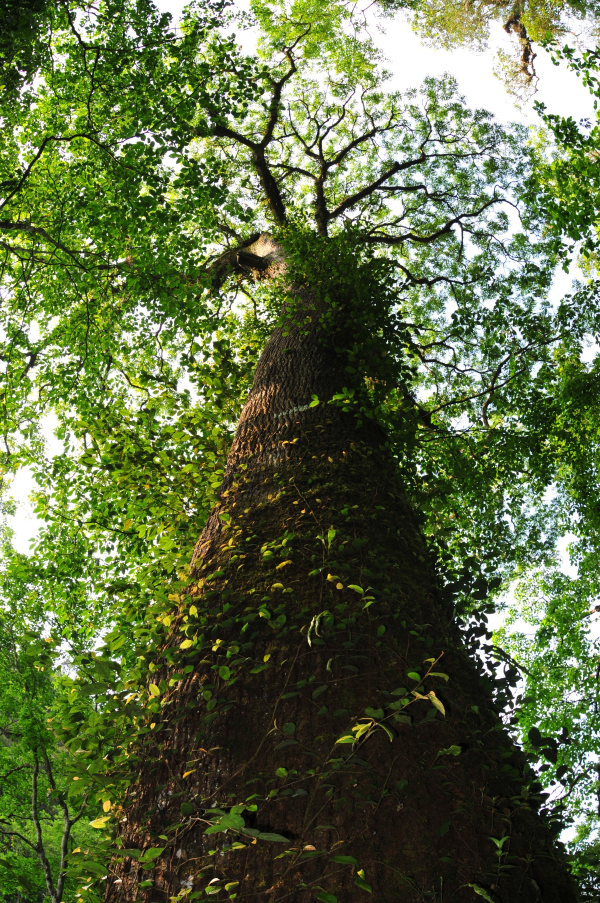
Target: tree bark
423,806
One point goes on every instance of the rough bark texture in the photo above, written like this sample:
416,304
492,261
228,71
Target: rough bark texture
414,805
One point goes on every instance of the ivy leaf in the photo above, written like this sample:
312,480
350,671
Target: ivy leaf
360,882
437,702
481,892
153,853
374,713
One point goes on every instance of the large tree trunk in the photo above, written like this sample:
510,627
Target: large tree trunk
414,803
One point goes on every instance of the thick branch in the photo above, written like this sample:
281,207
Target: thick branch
9,226
254,257
268,181
258,148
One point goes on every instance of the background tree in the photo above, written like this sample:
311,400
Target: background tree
530,22
412,340
40,805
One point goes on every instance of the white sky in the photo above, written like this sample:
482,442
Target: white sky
410,62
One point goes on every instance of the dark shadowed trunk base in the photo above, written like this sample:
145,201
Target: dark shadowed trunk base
289,658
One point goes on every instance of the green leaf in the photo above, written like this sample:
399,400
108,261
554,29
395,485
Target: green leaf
224,672
153,853
274,838
499,841
235,822
480,891
344,860
360,882
326,897
357,589
414,675
450,751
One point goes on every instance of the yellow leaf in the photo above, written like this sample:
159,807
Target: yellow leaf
439,705
331,578
185,773
283,564
339,586
193,610
106,805
99,822
78,850
277,586
267,657
154,690
127,524
186,644
153,725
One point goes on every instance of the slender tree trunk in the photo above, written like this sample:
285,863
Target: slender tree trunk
293,659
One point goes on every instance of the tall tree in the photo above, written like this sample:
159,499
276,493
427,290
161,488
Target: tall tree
302,717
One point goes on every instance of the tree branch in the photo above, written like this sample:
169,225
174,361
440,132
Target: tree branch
38,831
374,186
9,226
257,148
392,240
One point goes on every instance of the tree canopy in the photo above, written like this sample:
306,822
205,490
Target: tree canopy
140,167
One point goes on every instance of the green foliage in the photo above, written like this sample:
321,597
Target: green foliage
40,805
24,40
